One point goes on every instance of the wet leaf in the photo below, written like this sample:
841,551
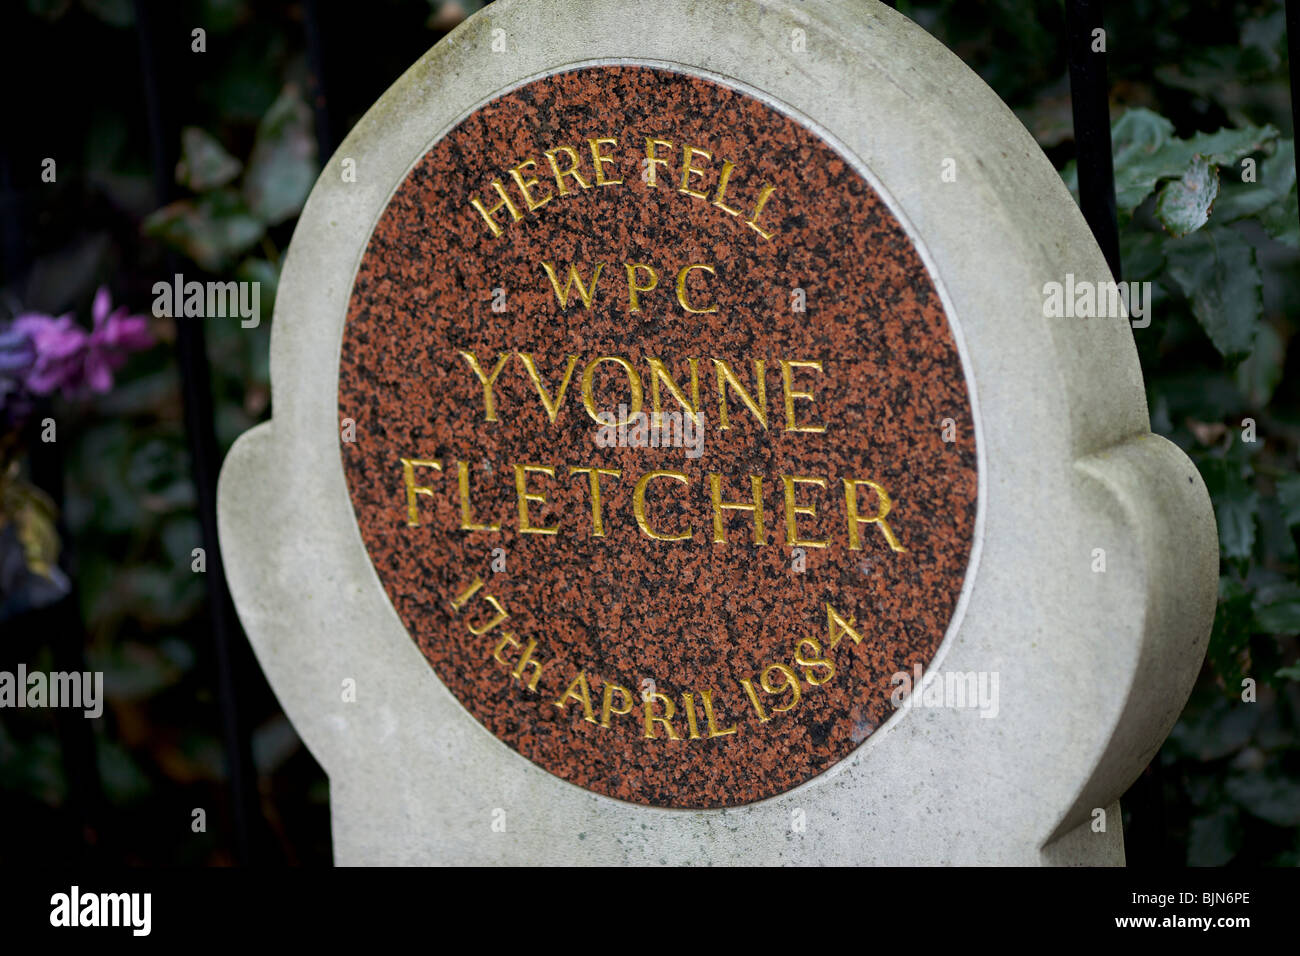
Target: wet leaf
1183,205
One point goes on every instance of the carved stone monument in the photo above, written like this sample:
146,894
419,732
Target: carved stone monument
673,460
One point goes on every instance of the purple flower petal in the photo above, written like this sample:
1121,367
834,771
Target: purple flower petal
98,375
99,311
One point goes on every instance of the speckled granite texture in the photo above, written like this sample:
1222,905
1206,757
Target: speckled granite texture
653,616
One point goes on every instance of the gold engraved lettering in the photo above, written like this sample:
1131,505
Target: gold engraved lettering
659,373
527,184
763,716
487,381
692,726
579,691
837,627
666,719
552,406
652,161
752,221
572,171
707,695
523,497
791,395
789,680
688,155
633,382
598,160
681,289
467,522
715,493
634,288
607,707
593,477
507,639
812,658
727,376
851,507
526,661
718,197
458,602
792,510
638,505
412,489
574,279
489,213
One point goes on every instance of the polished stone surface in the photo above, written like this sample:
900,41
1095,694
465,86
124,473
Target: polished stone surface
835,281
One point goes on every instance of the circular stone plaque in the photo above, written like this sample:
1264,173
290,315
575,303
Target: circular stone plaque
663,449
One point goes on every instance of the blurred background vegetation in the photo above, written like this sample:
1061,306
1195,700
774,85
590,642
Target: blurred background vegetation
1199,88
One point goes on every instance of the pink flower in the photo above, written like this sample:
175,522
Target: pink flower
70,359
59,345
114,335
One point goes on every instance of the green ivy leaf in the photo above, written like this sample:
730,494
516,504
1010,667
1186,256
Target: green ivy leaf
1145,151
211,230
1231,632
1279,617
1235,505
118,13
282,167
1183,205
267,275
1217,271
124,781
1271,197
1218,729
204,163
1288,495
1142,252
1215,838
49,9
1136,138
1258,376
1229,145
1273,799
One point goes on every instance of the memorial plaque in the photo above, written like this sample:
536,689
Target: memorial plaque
660,354
674,461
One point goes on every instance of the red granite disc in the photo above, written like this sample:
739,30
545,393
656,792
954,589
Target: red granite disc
744,669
